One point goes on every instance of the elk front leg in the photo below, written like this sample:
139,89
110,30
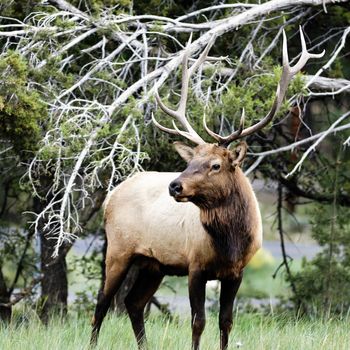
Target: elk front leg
229,288
196,285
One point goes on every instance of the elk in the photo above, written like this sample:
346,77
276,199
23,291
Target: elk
204,222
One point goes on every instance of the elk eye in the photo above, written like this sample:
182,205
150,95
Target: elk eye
215,167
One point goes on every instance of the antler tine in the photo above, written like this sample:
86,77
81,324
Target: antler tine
224,141
202,56
185,78
180,113
305,55
163,128
176,131
188,135
187,72
211,133
164,108
288,73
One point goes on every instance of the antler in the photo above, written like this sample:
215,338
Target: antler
180,113
288,73
224,141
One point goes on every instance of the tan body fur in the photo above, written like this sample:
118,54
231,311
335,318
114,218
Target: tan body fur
141,218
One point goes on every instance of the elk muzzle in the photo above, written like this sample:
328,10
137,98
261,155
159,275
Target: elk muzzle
175,188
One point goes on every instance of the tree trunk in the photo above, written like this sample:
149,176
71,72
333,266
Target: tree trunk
54,284
5,311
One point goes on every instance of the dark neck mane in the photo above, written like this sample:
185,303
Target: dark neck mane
229,224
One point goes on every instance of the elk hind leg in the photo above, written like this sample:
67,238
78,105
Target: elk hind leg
115,274
142,291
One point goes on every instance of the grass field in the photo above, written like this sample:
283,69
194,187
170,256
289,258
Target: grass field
251,331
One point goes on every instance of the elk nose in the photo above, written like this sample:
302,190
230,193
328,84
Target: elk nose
175,188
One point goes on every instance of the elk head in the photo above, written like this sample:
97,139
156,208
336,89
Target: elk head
209,175
212,168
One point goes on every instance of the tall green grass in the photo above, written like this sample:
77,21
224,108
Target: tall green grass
251,331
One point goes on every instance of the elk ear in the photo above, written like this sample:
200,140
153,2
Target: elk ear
185,151
239,153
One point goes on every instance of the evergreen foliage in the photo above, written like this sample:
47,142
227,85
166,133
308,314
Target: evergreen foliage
22,111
